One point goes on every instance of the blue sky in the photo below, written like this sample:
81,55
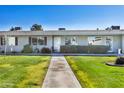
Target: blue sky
53,17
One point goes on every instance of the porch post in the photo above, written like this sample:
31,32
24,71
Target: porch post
52,44
5,36
122,43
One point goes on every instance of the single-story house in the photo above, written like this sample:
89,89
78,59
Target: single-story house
54,39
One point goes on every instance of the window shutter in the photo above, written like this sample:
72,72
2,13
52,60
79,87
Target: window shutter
45,40
29,40
16,40
1,41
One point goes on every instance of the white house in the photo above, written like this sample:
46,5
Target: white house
53,39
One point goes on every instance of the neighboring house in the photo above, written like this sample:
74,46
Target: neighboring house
15,40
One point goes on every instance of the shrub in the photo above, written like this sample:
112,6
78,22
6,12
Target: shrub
97,49
119,60
68,49
84,49
27,49
2,51
45,50
14,52
36,50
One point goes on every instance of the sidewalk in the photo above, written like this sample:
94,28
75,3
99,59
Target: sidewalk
60,75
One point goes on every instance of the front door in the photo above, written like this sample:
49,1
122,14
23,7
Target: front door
57,43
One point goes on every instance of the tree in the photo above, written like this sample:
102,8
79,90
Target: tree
36,27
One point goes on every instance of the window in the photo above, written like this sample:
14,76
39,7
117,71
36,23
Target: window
2,41
45,40
16,41
29,40
38,40
95,40
34,41
71,40
101,40
11,41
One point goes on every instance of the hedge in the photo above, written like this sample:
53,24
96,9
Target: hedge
97,49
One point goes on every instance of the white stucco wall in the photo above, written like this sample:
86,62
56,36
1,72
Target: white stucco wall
117,43
62,40
23,40
82,40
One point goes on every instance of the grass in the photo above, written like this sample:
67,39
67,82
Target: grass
23,71
93,73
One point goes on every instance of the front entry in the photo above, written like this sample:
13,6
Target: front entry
57,43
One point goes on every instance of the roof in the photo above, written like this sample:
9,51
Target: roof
63,32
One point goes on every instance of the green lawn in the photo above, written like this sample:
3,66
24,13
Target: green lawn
92,72
23,71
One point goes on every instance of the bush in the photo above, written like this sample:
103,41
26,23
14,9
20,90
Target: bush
98,49
14,52
84,49
2,51
73,49
36,50
27,49
45,50
119,61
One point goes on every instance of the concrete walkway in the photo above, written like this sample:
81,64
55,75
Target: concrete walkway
60,75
